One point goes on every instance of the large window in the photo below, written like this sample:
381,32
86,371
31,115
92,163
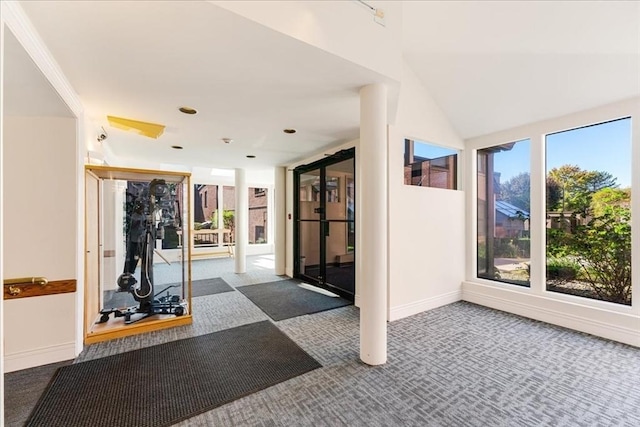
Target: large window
503,213
258,200
205,205
427,165
205,213
229,213
212,230
258,215
588,209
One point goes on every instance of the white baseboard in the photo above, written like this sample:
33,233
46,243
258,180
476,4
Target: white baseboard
39,357
603,323
416,307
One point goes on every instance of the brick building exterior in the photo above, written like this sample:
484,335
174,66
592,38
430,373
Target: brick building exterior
206,203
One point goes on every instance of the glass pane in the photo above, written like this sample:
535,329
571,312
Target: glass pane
351,215
309,245
258,215
333,189
340,264
427,165
205,215
142,223
589,212
340,190
310,195
228,213
503,213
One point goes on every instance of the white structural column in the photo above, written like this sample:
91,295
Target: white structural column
280,210
371,157
220,208
241,221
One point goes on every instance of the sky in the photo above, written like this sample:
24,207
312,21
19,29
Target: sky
605,147
430,151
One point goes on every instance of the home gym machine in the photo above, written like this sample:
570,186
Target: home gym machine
150,207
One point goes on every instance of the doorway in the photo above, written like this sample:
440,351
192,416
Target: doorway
325,233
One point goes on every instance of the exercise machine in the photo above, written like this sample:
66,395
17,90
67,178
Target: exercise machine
150,207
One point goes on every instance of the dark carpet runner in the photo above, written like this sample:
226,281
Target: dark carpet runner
164,384
284,299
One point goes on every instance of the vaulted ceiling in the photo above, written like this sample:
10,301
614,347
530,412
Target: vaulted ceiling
489,65
493,65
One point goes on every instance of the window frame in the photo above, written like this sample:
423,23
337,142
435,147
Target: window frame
417,166
536,132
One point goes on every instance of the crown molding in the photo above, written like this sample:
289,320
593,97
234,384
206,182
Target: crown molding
15,19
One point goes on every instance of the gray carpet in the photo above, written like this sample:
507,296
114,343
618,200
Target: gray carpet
460,365
284,299
160,385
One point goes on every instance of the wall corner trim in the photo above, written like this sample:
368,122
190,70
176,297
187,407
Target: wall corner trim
40,356
406,310
22,28
594,321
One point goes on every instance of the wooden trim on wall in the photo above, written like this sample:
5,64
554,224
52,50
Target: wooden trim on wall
25,290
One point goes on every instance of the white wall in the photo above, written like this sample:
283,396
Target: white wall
343,28
426,225
613,321
13,18
39,175
2,39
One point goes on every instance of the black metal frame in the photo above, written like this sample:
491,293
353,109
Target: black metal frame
322,164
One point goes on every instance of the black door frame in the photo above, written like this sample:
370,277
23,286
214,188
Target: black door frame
321,164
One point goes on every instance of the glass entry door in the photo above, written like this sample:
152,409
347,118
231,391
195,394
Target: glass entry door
325,223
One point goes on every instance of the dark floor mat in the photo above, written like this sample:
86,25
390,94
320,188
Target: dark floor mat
23,388
164,384
343,277
217,285
284,299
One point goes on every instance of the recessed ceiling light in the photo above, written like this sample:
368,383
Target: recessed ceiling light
289,131
251,156
177,147
187,110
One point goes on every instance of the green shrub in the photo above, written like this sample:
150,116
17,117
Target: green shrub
558,242
504,248
562,269
603,249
